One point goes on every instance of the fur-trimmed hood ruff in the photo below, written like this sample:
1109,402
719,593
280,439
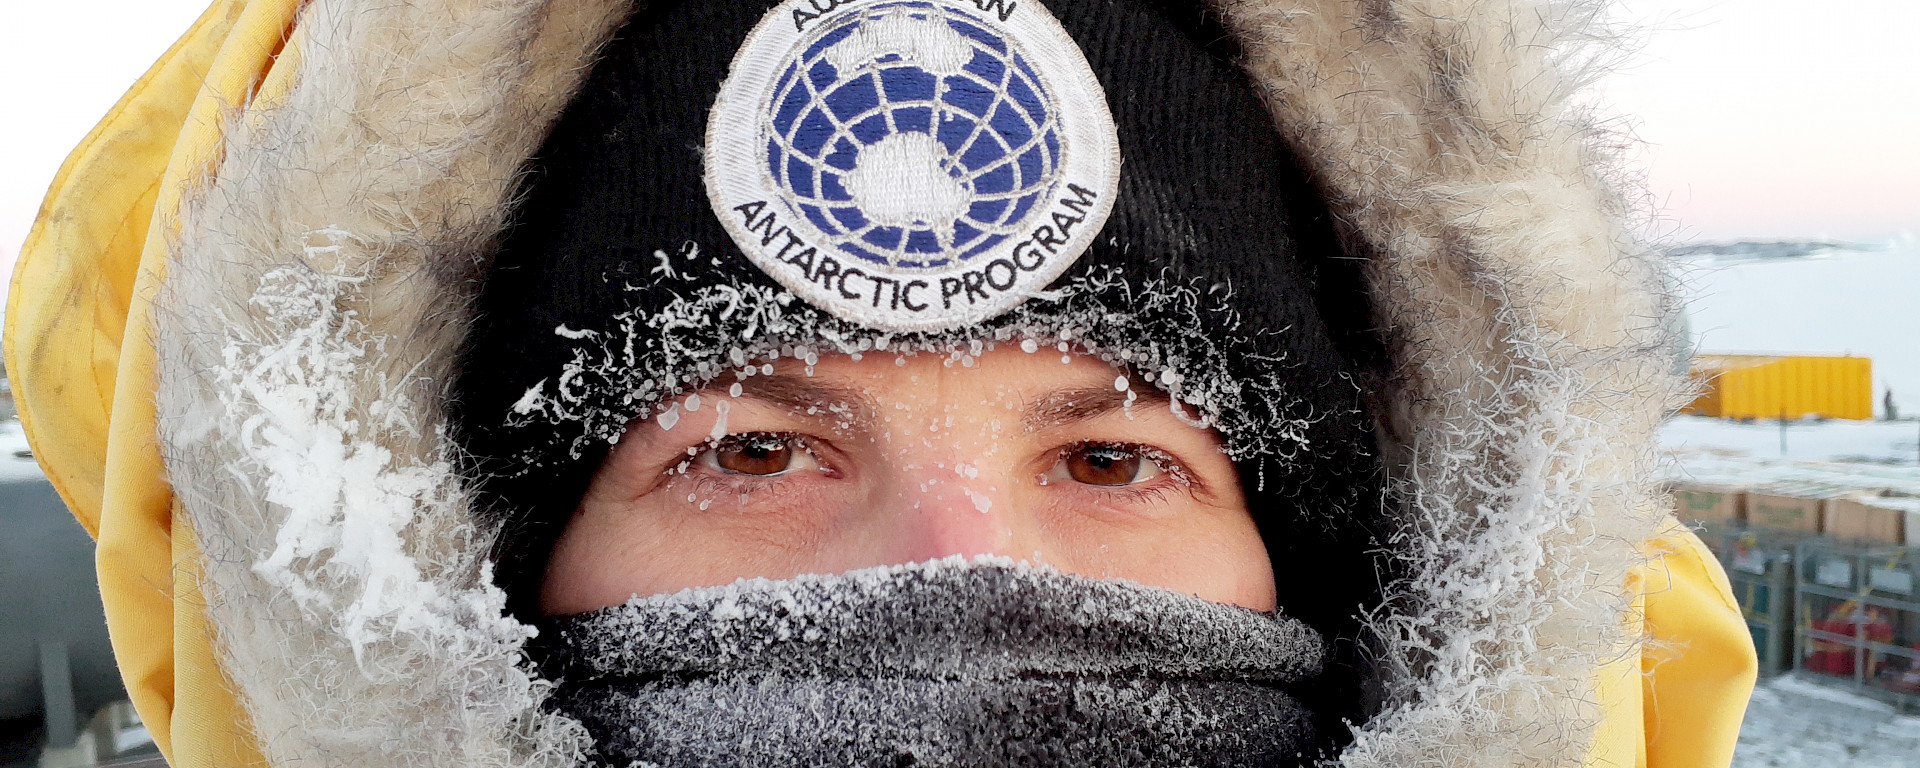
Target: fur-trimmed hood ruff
310,290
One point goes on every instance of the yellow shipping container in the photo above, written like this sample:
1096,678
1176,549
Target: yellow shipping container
1783,386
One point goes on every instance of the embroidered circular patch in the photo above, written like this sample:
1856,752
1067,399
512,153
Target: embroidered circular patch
913,165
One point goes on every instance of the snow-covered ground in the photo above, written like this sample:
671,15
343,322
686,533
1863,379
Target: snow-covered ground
1793,723
1860,301
1823,458
1892,443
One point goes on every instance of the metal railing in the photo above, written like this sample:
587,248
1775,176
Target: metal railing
1858,618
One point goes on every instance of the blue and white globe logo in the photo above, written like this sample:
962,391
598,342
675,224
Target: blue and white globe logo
911,135
912,165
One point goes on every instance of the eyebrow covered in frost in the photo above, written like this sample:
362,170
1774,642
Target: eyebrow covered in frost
806,395
809,395
1066,406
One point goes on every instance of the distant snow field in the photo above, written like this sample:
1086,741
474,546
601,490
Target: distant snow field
1806,298
1860,299
1885,442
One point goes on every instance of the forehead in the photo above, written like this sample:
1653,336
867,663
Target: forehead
1001,370
1008,376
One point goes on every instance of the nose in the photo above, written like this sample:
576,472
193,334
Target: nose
955,510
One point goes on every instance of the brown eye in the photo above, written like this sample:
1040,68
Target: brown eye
754,454
1108,465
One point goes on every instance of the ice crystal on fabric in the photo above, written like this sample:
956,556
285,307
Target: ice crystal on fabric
1182,338
953,662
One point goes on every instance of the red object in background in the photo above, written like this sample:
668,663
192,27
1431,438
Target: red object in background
1832,657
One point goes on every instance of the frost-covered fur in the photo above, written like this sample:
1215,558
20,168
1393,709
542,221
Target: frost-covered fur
304,337
316,294
1527,347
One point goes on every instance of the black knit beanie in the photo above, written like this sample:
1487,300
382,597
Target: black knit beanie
1217,275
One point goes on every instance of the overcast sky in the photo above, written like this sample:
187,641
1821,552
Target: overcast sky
1778,118
1760,118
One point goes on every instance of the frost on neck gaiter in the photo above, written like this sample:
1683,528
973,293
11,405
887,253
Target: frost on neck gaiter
980,662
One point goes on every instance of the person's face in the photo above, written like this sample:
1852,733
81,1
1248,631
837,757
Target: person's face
888,460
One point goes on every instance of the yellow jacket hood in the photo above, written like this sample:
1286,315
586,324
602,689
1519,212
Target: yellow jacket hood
230,330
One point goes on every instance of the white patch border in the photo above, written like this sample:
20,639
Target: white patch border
1090,157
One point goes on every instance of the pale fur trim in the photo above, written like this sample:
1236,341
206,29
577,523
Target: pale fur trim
1528,346
317,294
305,335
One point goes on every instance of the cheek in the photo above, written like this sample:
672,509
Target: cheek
1234,568
686,533
603,557
1214,553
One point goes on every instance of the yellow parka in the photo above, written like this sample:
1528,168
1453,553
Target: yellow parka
81,349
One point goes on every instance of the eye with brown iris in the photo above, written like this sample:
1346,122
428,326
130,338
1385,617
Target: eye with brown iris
1108,465
754,454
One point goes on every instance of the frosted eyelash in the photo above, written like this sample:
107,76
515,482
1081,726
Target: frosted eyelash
1165,461
802,442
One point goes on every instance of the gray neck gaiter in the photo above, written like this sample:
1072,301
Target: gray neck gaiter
953,662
